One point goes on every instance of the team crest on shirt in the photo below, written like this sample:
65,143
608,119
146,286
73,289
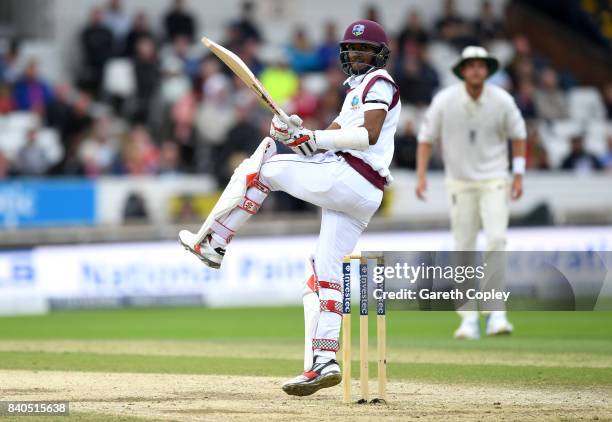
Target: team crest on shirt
358,30
355,102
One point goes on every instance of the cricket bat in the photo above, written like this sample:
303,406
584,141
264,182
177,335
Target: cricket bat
241,70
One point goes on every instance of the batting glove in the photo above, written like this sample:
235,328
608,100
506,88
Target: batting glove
303,142
281,131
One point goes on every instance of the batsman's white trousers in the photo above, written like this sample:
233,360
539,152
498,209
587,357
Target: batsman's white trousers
348,202
476,202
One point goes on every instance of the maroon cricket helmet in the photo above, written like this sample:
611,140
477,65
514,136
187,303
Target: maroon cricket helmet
367,32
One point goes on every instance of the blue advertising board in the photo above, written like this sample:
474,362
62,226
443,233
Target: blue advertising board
47,203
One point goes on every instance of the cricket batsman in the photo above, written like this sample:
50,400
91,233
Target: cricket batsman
342,169
473,122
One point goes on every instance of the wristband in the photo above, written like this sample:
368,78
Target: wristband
349,138
518,165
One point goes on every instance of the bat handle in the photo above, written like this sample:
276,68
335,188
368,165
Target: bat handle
285,118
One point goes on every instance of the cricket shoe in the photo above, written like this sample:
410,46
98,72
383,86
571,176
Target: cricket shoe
468,330
498,324
321,375
210,256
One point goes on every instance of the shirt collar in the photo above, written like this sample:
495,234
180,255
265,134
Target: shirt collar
469,100
354,80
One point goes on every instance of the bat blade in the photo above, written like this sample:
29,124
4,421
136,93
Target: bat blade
241,70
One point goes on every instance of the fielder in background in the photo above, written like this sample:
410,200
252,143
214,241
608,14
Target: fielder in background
346,181
473,122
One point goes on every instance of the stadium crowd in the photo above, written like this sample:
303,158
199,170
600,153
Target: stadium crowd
148,99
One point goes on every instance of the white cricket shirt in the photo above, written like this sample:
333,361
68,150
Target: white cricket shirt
473,133
380,93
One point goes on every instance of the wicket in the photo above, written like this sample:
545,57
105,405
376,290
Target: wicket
363,330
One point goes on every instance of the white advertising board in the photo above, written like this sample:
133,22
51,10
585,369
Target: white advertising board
256,271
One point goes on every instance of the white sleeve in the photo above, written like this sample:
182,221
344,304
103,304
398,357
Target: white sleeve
515,124
430,130
379,96
338,120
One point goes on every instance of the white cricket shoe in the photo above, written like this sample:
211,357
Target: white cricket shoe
321,375
468,330
498,324
210,256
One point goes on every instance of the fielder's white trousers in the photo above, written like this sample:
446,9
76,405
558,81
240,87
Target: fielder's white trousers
476,203
473,203
348,202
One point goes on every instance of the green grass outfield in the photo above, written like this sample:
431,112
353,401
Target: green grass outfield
583,336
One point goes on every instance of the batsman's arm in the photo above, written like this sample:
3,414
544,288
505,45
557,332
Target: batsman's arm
333,136
373,121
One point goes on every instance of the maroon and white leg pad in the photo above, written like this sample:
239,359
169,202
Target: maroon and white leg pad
223,231
325,342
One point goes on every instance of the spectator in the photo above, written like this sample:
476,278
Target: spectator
487,26
242,138
330,101
525,62
607,94
536,156
280,81
98,152
179,22
9,69
606,160
146,69
452,28
70,113
175,84
77,119
32,159
417,80
245,26
549,100
30,92
5,167
216,114
169,159
580,160
97,46
139,155
329,50
302,56
372,14
248,54
60,105
524,98
521,70
304,103
140,29
181,50
6,99
119,24
405,147
413,34
183,130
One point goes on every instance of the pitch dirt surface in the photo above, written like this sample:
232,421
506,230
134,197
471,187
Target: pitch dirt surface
188,364
232,398
293,351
